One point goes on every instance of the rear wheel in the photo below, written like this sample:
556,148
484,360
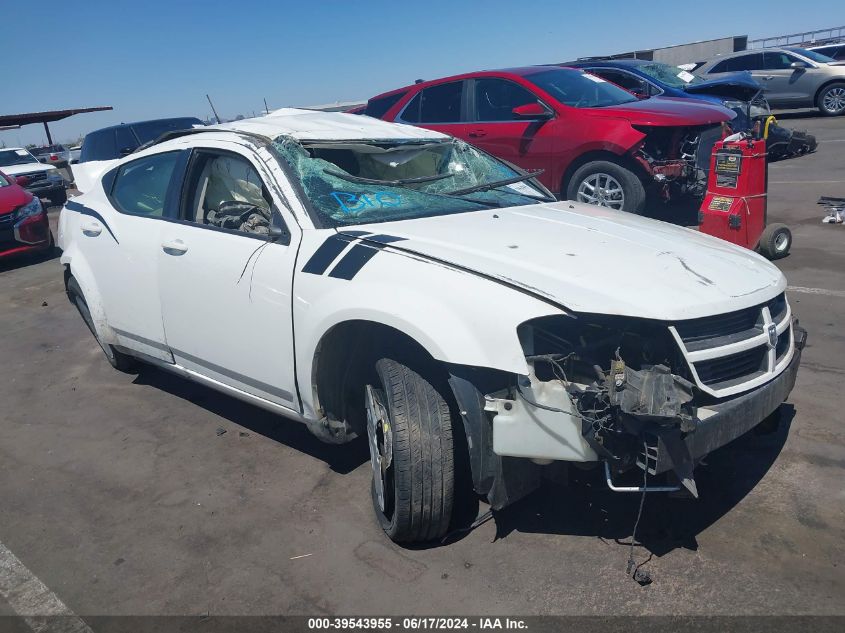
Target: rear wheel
831,100
409,430
118,360
607,184
775,241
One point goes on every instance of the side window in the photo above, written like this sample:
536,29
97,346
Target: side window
140,187
437,104
746,62
495,99
125,141
225,191
377,108
777,61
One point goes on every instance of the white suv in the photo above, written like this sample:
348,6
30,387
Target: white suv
400,285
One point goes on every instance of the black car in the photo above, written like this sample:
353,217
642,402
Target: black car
121,140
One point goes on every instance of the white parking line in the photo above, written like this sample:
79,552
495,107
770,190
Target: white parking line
31,599
805,182
817,291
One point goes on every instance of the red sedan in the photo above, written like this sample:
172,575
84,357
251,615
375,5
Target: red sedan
594,141
24,227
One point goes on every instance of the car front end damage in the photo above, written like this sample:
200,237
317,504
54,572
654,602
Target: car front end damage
632,393
676,159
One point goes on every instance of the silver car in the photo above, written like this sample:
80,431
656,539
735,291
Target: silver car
793,77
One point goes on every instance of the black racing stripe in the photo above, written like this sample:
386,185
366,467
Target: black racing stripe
81,208
354,261
325,255
385,239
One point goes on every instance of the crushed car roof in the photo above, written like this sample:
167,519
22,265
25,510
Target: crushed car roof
313,125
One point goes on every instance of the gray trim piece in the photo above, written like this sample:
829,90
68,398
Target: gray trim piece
286,395
263,386
141,339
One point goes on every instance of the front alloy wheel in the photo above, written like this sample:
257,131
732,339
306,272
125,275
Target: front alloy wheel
832,100
602,190
409,432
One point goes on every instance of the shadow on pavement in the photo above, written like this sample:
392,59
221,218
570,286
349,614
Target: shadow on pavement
342,459
586,507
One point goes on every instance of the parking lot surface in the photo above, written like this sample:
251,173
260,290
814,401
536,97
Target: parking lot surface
147,494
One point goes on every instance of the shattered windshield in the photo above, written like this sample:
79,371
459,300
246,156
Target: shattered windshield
670,75
578,89
359,182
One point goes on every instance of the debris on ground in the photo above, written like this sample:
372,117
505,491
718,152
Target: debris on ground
835,209
221,431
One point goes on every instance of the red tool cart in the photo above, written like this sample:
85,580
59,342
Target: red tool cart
734,208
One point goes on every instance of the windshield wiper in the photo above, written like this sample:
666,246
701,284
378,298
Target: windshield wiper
375,181
495,184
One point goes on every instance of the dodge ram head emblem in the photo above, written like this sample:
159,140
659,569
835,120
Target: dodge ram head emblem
773,335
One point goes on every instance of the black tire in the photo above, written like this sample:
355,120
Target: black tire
775,241
118,360
632,187
58,199
831,99
419,484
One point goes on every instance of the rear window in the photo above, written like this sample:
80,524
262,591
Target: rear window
150,130
99,145
377,108
437,104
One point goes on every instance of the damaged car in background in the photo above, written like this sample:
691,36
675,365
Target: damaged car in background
595,142
737,91
417,293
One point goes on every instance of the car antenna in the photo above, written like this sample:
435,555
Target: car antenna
212,108
266,109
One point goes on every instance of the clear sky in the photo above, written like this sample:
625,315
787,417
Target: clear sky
156,58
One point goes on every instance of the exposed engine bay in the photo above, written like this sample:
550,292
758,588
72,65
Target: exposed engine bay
678,158
627,387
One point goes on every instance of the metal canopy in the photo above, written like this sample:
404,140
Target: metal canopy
10,121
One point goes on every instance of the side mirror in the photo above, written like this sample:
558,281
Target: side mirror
23,181
531,111
278,232
798,65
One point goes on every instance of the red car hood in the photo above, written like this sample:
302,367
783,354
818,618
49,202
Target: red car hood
13,196
666,111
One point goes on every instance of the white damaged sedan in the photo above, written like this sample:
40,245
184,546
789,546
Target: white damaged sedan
402,286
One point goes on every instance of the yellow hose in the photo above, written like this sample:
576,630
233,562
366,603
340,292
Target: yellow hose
770,120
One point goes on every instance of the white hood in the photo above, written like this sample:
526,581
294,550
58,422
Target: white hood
29,168
591,259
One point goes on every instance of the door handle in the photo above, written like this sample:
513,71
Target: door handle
175,247
477,134
91,228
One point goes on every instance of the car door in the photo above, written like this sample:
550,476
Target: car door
120,231
526,142
793,86
225,287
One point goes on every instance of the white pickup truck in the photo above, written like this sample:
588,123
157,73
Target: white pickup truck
402,286
42,181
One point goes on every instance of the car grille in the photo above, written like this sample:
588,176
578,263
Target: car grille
733,352
34,176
